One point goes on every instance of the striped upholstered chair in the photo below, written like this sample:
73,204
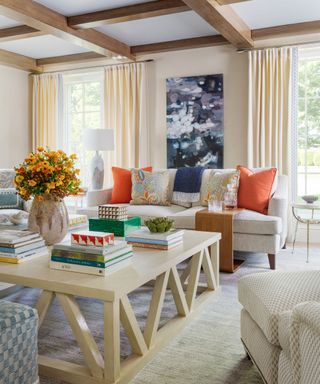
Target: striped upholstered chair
18,344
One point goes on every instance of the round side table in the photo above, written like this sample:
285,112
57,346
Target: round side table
306,219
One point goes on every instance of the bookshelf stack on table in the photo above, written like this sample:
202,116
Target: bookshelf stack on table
18,246
96,253
163,241
113,218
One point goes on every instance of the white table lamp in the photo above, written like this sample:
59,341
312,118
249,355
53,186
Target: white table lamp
98,140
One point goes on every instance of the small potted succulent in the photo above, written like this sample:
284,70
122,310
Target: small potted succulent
159,224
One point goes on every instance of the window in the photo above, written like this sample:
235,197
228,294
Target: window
308,125
83,109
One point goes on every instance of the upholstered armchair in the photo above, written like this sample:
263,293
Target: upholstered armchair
13,210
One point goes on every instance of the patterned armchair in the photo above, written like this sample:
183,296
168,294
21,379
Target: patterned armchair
280,325
18,344
13,210
305,343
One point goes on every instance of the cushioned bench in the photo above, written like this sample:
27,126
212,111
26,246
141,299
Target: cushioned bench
18,344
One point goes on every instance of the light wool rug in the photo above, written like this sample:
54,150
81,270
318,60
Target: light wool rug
207,351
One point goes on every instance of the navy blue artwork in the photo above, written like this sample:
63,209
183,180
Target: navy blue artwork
195,124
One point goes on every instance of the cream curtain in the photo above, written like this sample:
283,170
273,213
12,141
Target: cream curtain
46,104
270,75
126,113
271,96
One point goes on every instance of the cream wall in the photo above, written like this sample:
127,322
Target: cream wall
215,60
14,116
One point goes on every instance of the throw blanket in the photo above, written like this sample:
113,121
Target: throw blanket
187,184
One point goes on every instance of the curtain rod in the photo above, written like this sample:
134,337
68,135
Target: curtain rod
91,67
278,46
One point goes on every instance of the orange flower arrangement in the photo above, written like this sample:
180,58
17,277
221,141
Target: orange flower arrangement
45,173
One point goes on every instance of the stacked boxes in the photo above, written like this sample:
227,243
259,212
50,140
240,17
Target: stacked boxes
112,211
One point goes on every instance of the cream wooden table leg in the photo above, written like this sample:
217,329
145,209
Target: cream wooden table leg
215,259
112,341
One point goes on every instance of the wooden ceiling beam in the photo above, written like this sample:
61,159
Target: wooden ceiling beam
37,16
227,2
78,57
225,20
19,32
176,45
15,60
297,29
128,13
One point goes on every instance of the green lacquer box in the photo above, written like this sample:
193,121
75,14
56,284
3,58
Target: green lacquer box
120,228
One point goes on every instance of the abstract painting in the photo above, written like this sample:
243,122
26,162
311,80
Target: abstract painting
195,126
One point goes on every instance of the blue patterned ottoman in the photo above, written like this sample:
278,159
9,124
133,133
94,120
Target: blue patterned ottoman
18,344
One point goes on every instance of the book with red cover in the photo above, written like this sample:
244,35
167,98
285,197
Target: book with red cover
91,238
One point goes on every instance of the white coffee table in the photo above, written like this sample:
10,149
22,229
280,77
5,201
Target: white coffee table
201,248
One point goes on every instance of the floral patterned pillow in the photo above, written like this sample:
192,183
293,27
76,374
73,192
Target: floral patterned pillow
217,185
150,187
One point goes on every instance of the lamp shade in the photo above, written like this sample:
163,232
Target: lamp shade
99,139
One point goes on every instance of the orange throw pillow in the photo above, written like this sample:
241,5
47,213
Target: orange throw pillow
122,185
255,188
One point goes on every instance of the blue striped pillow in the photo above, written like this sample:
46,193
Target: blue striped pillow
10,199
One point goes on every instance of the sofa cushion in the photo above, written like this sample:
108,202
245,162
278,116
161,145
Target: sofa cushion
255,188
147,211
217,184
122,185
9,199
256,223
265,296
150,187
186,219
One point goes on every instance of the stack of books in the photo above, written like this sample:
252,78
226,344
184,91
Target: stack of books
165,241
95,253
112,211
18,246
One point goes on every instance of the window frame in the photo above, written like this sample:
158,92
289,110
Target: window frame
69,79
306,54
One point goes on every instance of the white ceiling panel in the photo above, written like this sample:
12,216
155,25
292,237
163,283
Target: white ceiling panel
41,46
268,13
7,23
76,7
157,29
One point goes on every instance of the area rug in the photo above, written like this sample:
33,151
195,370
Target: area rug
207,351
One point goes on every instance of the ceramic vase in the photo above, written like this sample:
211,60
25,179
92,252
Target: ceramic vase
49,217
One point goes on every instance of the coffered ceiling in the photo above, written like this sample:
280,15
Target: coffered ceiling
51,31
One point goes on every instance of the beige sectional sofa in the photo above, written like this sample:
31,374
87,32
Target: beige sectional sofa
253,231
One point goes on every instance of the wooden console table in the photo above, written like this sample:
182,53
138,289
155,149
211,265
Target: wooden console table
221,222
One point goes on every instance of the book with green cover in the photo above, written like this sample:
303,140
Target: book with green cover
90,257
90,263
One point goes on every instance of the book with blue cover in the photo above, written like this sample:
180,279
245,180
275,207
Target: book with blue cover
90,257
23,248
